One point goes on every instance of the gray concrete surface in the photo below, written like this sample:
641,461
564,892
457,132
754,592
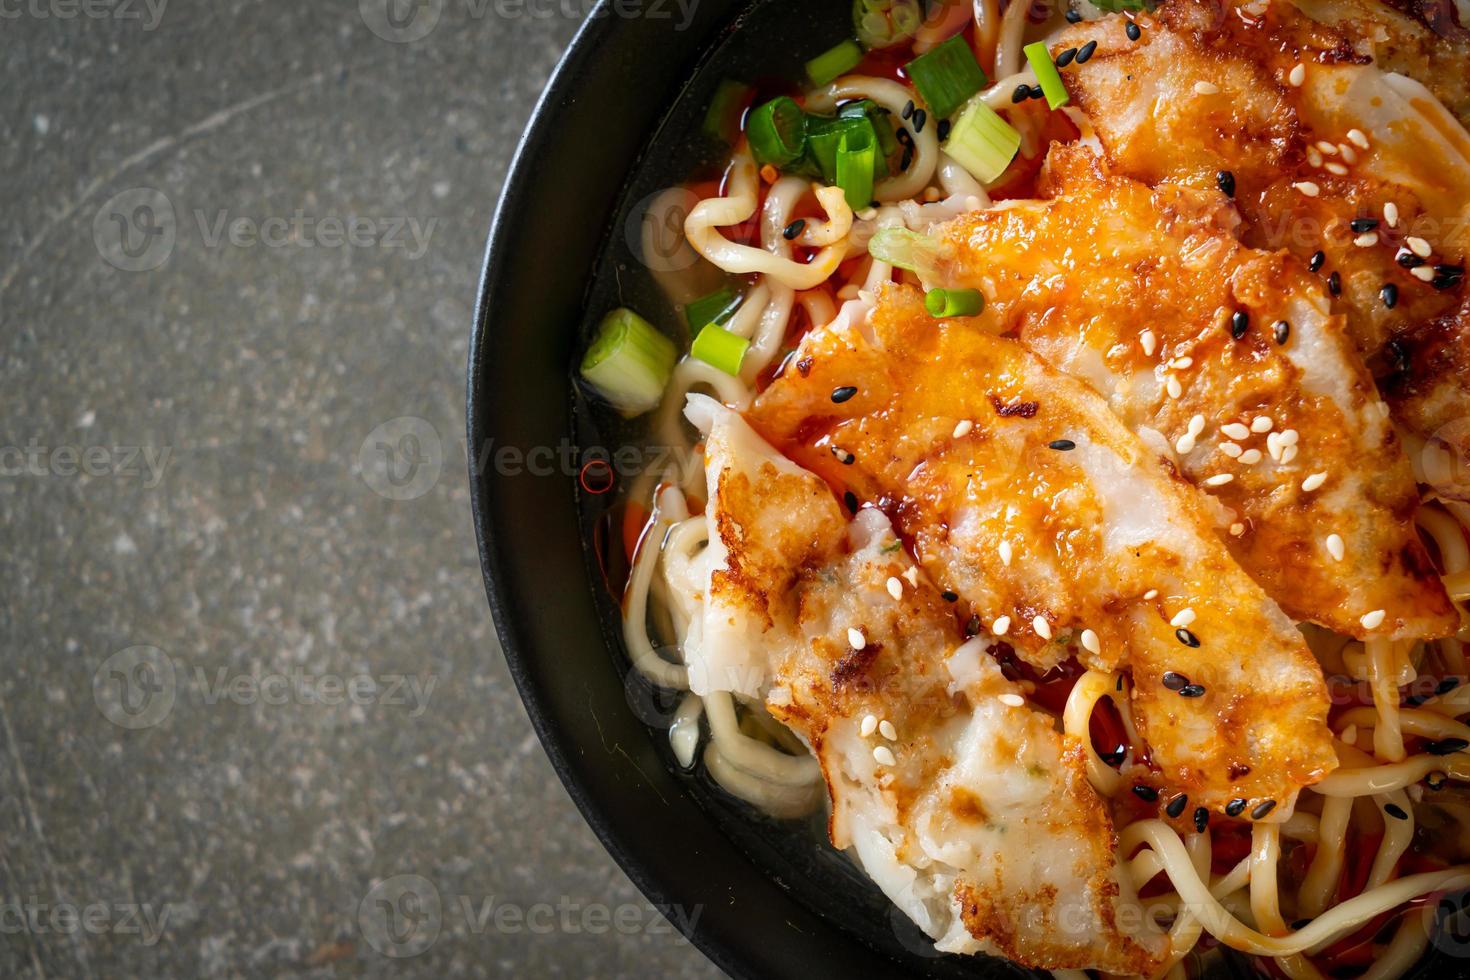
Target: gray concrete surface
250,684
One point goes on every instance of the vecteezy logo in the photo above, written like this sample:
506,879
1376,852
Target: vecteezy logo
655,230
136,230
401,21
401,916
402,458
135,688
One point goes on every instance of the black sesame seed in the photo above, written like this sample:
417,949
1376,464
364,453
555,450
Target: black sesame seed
920,117
972,626
948,596
1235,807
1021,94
1435,780
1447,685
1074,17
1395,811
1334,284
907,160
1115,757
1201,819
1187,638
1281,330
1447,276
1037,92
846,457
1133,31
1085,52
942,130
1315,263
1065,58
1446,746
908,109
1063,445
1119,684
1414,700
1262,809
1225,180
1300,924
1408,259
842,394
1176,805
1192,691
1175,682
795,228
1389,294
1240,322
850,499
1146,793
1362,225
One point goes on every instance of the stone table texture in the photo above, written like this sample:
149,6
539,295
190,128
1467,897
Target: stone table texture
253,716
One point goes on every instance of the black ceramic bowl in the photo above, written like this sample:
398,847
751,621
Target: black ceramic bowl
615,123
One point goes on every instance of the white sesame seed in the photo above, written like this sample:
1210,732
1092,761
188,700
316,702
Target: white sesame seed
1250,457
1327,148
1273,445
1358,138
1237,529
1297,76
1373,620
1236,430
870,725
1288,453
1042,627
1423,273
1415,791
855,639
1013,700
1090,642
1335,547
895,587
1307,187
1231,449
1183,618
1173,387
1219,479
1391,214
1180,363
1289,437
1196,424
1350,735
1333,167
1262,423
1349,155
1419,246
1206,88
1366,240
963,428
1149,342
1001,626
1151,594
1314,481
911,575
1185,443
1006,552
1314,156
883,755
888,731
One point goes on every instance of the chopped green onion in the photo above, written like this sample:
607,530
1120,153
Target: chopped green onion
855,157
884,23
839,60
1046,74
882,121
824,138
1114,6
777,131
905,249
629,362
982,142
717,307
947,76
720,348
722,119
954,302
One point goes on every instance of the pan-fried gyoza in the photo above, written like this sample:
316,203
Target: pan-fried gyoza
1071,473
